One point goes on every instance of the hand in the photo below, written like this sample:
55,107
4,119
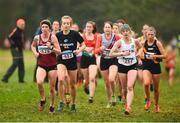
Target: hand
153,56
126,53
138,55
139,61
76,52
102,48
36,54
48,44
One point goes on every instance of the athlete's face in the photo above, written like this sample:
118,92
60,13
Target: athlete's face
89,28
22,25
107,28
150,34
66,24
115,29
55,26
120,24
75,27
45,28
126,33
145,29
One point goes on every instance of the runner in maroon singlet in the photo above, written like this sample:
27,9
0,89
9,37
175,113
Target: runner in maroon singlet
48,47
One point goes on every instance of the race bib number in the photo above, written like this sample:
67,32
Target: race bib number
148,55
44,50
106,53
67,55
128,60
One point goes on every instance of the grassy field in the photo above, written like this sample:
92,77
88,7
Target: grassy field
18,102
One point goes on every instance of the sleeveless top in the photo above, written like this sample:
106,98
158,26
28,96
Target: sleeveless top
46,56
108,44
153,49
89,43
130,59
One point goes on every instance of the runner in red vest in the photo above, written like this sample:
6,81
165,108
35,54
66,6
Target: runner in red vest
88,59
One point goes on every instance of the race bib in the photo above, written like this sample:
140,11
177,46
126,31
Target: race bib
128,60
44,50
106,53
148,55
87,54
67,55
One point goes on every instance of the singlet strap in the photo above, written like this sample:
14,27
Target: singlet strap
112,41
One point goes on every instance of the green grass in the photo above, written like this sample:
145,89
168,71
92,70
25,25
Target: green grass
18,102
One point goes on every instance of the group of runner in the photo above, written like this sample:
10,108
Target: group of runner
116,52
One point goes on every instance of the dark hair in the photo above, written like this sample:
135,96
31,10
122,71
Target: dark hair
47,22
94,26
109,22
121,21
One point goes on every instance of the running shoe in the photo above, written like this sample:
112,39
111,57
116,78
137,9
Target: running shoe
147,105
156,109
4,80
61,106
73,108
119,98
113,100
42,105
51,110
145,100
86,89
109,105
127,110
90,99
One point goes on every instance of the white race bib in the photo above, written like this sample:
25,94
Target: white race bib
67,55
128,60
44,50
106,53
148,55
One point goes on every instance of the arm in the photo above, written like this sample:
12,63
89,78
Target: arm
12,34
139,50
113,52
82,46
162,51
98,45
55,48
34,44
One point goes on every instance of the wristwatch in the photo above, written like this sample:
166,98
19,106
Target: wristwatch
52,48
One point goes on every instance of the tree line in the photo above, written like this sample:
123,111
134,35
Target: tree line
162,14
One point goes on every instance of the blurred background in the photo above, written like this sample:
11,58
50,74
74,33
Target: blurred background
163,14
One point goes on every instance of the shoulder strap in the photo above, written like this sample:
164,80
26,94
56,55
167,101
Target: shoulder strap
50,38
112,41
40,39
